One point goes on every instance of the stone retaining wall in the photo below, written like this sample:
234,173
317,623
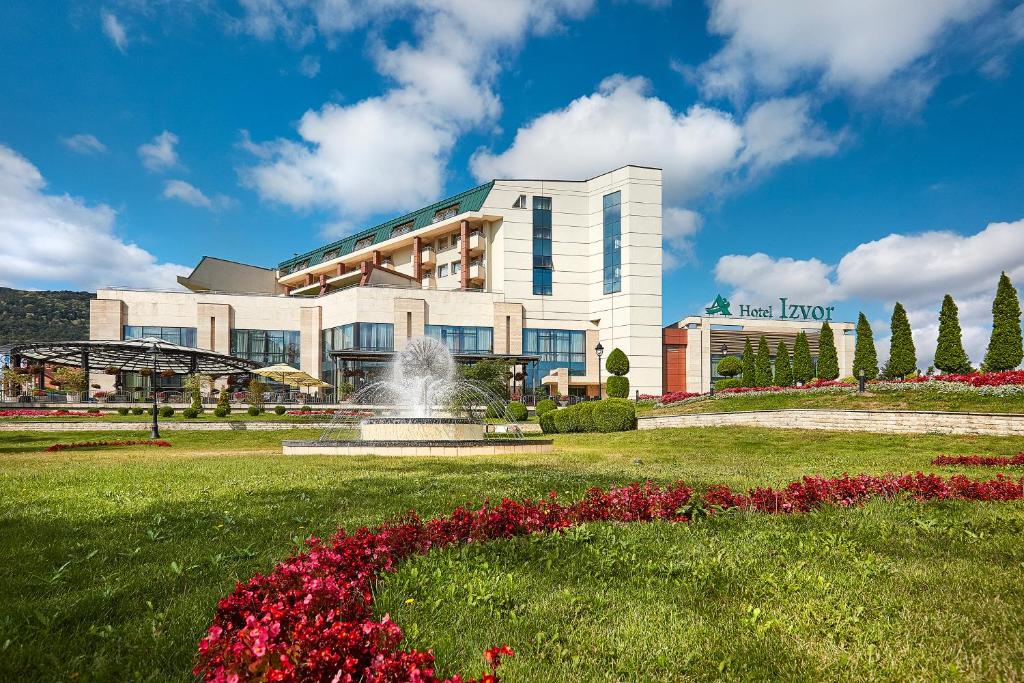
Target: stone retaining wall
87,425
886,421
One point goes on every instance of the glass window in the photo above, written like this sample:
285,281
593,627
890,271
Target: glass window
363,243
182,336
557,349
359,336
446,213
612,242
266,347
400,230
442,243
468,340
542,261
442,270
330,254
456,267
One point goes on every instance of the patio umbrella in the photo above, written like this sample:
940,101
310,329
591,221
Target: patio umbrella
285,374
304,379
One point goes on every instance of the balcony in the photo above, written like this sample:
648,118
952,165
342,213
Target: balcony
477,242
477,271
428,257
386,262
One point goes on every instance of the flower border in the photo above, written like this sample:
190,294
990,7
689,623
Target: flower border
99,444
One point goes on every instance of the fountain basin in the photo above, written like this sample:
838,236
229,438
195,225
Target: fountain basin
420,447
420,429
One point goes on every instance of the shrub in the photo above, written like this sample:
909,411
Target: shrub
730,366
167,411
566,420
749,365
223,402
828,359
547,421
517,411
728,383
190,413
124,411
585,413
304,408
803,365
617,362
614,415
221,411
138,411
849,379
864,355
950,356
783,370
763,364
1005,349
93,411
279,410
494,411
254,410
617,387
545,406
902,354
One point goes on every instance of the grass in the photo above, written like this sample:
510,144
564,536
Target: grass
890,400
113,561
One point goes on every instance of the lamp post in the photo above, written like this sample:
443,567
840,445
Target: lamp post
860,381
155,431
599,350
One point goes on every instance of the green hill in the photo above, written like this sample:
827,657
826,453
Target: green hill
43,316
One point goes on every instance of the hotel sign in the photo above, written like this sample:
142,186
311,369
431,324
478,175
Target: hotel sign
785,310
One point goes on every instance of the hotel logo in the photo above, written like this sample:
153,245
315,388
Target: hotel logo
787,311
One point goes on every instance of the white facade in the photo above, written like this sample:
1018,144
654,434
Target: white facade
377,282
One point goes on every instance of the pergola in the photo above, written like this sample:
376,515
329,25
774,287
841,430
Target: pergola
132,355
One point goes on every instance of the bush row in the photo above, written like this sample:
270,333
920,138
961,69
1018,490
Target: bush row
607,415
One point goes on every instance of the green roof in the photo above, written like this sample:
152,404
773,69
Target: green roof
469,200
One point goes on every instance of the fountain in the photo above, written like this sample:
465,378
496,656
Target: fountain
423,408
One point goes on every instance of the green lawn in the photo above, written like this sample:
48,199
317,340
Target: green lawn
113,561
889,400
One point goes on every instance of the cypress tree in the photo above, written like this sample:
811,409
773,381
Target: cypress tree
949,352
828,359
763,364
902,355
1005,349
749,371
864,356
803,366
783,370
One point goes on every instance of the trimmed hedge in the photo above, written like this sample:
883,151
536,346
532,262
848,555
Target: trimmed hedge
221,411
546,406
279,410
254,410
138,411
617,363
167,411
190,413
617,387
547,421
517,411
730,383
614,415
123,411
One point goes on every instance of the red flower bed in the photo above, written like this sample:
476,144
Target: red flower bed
38,412
816,384
979,460
311,618
96,444
977,379
670,397
346,413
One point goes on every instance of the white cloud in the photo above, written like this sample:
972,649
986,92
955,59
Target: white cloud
160,154
851,44
114,29
390,152
49,238
678,227
190,194
916,270
309,66
780,130
84,143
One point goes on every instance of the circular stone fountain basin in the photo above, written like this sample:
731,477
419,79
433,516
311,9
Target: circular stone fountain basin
420,429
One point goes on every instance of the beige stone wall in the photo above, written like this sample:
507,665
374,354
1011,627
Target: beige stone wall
310,339
909,422
508,328
410,320
213,327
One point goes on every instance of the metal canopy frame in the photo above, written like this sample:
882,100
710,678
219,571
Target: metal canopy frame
133,355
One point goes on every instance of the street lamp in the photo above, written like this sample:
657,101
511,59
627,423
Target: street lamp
860,381
155,431
599,350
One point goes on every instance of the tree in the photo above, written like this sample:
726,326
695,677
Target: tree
730,366
783,370
763,364
864,356
617,364
1005,349
902,355
492,374
749,367
70,379
950,356
803,365
828,360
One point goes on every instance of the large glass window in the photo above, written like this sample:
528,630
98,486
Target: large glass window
361,336
557,349
542,263
612,242
463,339
266,347
182,336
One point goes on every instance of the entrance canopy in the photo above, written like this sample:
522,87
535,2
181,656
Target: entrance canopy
132,355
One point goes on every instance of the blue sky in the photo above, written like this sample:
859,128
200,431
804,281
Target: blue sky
845,153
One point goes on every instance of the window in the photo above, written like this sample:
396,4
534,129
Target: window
456,238
400,230
557,349
182,336
456,267
542,263
520,202
467,340
266,347
330,254
442,270
442,243
363,243
446,213
359,336
613,242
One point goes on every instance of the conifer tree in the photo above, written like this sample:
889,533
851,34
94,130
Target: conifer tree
783,370
902,355
803,365
950,356
828,360
763,364
864,356
749,370
1005,350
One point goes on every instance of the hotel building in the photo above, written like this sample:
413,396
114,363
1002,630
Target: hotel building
533,271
